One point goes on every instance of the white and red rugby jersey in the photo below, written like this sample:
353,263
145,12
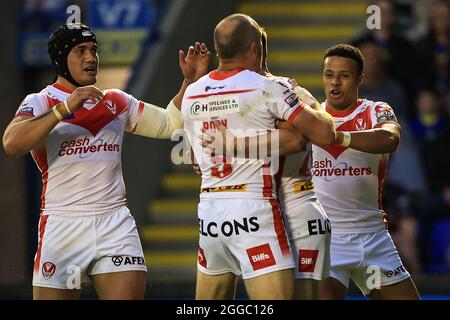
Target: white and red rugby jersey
349,182
295,175
80,161
240,99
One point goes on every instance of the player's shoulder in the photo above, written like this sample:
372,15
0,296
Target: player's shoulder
366,103
34,103
383,112
378,107
114,91
278,86
117,95
279,82
28,105
36,98
280,79
200,85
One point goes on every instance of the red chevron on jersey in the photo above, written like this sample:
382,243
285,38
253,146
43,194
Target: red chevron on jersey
89,143
93,120
334,150
348,182
361,121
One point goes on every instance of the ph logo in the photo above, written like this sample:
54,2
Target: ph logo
197,107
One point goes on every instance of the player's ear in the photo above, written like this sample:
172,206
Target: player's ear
360,79
254,49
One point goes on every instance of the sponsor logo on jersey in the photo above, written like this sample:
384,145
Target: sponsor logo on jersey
292,100
127,260
384,112
360,124
307,260
48,270
201,258
319,226
395,272
111,106
283,84
303,186
84,147
228,228
214,107
326,168
235,188
208,88
261,257
25,111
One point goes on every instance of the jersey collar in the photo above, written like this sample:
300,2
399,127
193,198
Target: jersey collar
341,114
215,75
61,88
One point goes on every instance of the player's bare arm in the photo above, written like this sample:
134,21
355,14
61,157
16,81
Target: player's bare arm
24,133
312,122
290,139
383,139
305,96
316,125
222,141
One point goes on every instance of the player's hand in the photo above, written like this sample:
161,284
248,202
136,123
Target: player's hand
294,83
82,94
216,140
195,63
305,96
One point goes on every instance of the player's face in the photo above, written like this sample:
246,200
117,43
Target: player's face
341,81
83,63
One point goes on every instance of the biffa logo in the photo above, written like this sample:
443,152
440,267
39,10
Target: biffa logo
261,257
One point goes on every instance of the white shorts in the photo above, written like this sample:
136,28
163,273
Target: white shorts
371,260
73,246
309,232
242,236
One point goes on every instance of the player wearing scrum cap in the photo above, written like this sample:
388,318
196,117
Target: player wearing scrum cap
74,132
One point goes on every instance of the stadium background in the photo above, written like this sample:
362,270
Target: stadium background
139,43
